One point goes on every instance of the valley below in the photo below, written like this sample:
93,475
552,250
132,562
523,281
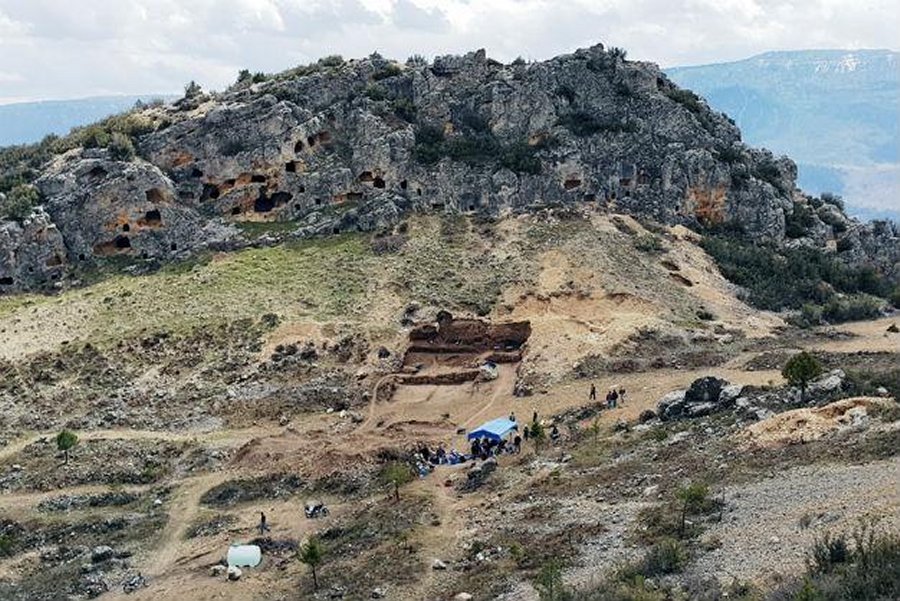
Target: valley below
259,380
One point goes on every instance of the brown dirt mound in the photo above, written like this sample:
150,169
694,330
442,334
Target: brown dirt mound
808,424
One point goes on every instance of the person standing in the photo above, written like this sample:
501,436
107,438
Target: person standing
593,394
263,525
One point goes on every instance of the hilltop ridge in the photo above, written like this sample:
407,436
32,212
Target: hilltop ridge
354,145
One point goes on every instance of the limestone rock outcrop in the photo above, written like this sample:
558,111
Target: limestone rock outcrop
355,145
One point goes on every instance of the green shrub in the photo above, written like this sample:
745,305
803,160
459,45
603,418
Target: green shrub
429,147
799,221
232,147
810,315
779,278
405,109
584,124
649,243
859,567
833,199
376,93
120,147
800,370
844,244
520,157
7,545
192,89
667,556
567,92
618,53
686,98
549,583
767,170
729,154
827,552
332,60
851,308
19,202
392,70
474,148
867,382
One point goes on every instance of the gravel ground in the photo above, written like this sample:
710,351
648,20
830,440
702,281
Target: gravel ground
763,529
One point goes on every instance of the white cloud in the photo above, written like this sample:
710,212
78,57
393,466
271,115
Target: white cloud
85,47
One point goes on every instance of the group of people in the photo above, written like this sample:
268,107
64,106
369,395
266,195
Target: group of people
427,459
487,447
613,397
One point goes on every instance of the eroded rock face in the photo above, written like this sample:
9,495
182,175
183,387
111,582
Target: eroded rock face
105,207
354,147
32,253
875,244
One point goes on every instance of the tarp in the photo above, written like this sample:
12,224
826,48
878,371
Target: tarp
496,429
244,556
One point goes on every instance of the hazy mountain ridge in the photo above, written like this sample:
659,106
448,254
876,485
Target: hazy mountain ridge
832,111
28,122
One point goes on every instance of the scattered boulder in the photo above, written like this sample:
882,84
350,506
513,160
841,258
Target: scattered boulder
234,573
133,583
437,564
730,393
218,570
827,383
647,415
671,406
463,597
704,390
378,592
102,553
704,396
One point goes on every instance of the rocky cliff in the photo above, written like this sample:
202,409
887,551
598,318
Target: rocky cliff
354,145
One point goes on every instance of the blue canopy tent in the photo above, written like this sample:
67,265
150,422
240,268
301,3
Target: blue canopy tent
496,429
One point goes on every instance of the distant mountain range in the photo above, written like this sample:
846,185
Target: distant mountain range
835,112
27,122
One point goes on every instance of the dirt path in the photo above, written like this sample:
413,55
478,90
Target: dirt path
868,336
183,509
223,437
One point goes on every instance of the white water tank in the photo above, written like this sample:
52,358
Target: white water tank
244,556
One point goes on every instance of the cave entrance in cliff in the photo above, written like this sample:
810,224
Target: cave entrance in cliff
265,203
122,242
6,281
153,217
210,192
154,196
97,173
572,183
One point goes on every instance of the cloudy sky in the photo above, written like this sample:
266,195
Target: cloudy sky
76,48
